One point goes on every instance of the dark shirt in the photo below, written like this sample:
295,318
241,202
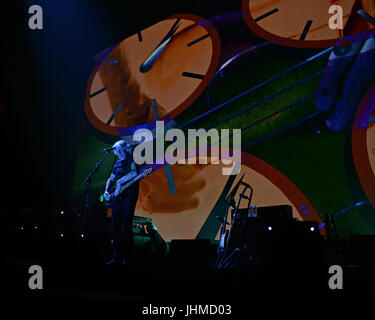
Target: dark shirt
122,168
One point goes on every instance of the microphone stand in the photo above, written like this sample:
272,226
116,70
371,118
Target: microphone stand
87,182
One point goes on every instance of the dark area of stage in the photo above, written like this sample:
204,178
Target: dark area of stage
74,268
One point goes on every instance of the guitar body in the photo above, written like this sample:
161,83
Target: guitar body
111,201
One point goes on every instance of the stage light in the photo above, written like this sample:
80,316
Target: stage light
305,209
35,228
61,235
82,235
269,228
21,228
317,130
62,212
312,229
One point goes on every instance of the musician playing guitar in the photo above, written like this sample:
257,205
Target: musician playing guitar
123,208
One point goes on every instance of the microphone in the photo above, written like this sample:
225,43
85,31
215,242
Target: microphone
108,149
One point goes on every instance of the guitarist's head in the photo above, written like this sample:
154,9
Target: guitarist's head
122,149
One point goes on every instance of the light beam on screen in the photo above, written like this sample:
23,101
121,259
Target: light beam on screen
357,204
62,55
62,52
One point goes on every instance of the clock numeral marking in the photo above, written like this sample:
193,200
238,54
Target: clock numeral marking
193,75
267,14
97,92
366,16
306,30
114,114
197,40
155,109
139,36
111,61
168,170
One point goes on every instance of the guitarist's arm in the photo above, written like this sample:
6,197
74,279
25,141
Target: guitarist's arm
108,184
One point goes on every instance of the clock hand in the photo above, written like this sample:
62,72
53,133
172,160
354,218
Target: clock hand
149,62
366,16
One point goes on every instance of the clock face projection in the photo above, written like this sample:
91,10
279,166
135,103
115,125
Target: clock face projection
172,62
294,23
363,144
198,188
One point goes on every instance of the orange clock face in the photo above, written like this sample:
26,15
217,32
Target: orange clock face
198,188
172,62
296,23
363,144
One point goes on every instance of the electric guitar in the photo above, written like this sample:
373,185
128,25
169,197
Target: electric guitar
112,198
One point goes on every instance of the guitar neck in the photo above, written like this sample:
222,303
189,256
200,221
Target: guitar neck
130,182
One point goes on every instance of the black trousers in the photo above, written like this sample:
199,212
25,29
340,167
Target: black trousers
122,220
